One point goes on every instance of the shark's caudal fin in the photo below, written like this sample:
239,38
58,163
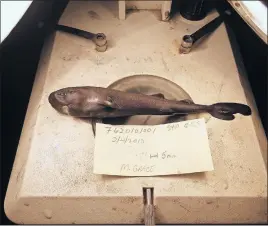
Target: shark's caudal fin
226,111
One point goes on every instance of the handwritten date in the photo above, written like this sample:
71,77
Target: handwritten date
127,140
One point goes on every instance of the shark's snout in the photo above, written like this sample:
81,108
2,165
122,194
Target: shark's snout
56,101
52,99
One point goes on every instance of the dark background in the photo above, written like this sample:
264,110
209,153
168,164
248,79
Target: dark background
19,57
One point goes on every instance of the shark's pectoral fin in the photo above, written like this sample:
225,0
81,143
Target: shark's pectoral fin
93,124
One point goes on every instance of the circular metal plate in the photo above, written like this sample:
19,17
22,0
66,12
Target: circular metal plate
149,85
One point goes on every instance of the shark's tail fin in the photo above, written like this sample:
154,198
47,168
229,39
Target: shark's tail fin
226,111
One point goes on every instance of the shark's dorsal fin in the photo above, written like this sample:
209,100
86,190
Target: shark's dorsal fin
159,95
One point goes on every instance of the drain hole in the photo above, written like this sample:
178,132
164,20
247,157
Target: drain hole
187,38
100,36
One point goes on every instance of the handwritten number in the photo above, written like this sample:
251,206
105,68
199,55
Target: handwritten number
108,129
192,124
172,127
